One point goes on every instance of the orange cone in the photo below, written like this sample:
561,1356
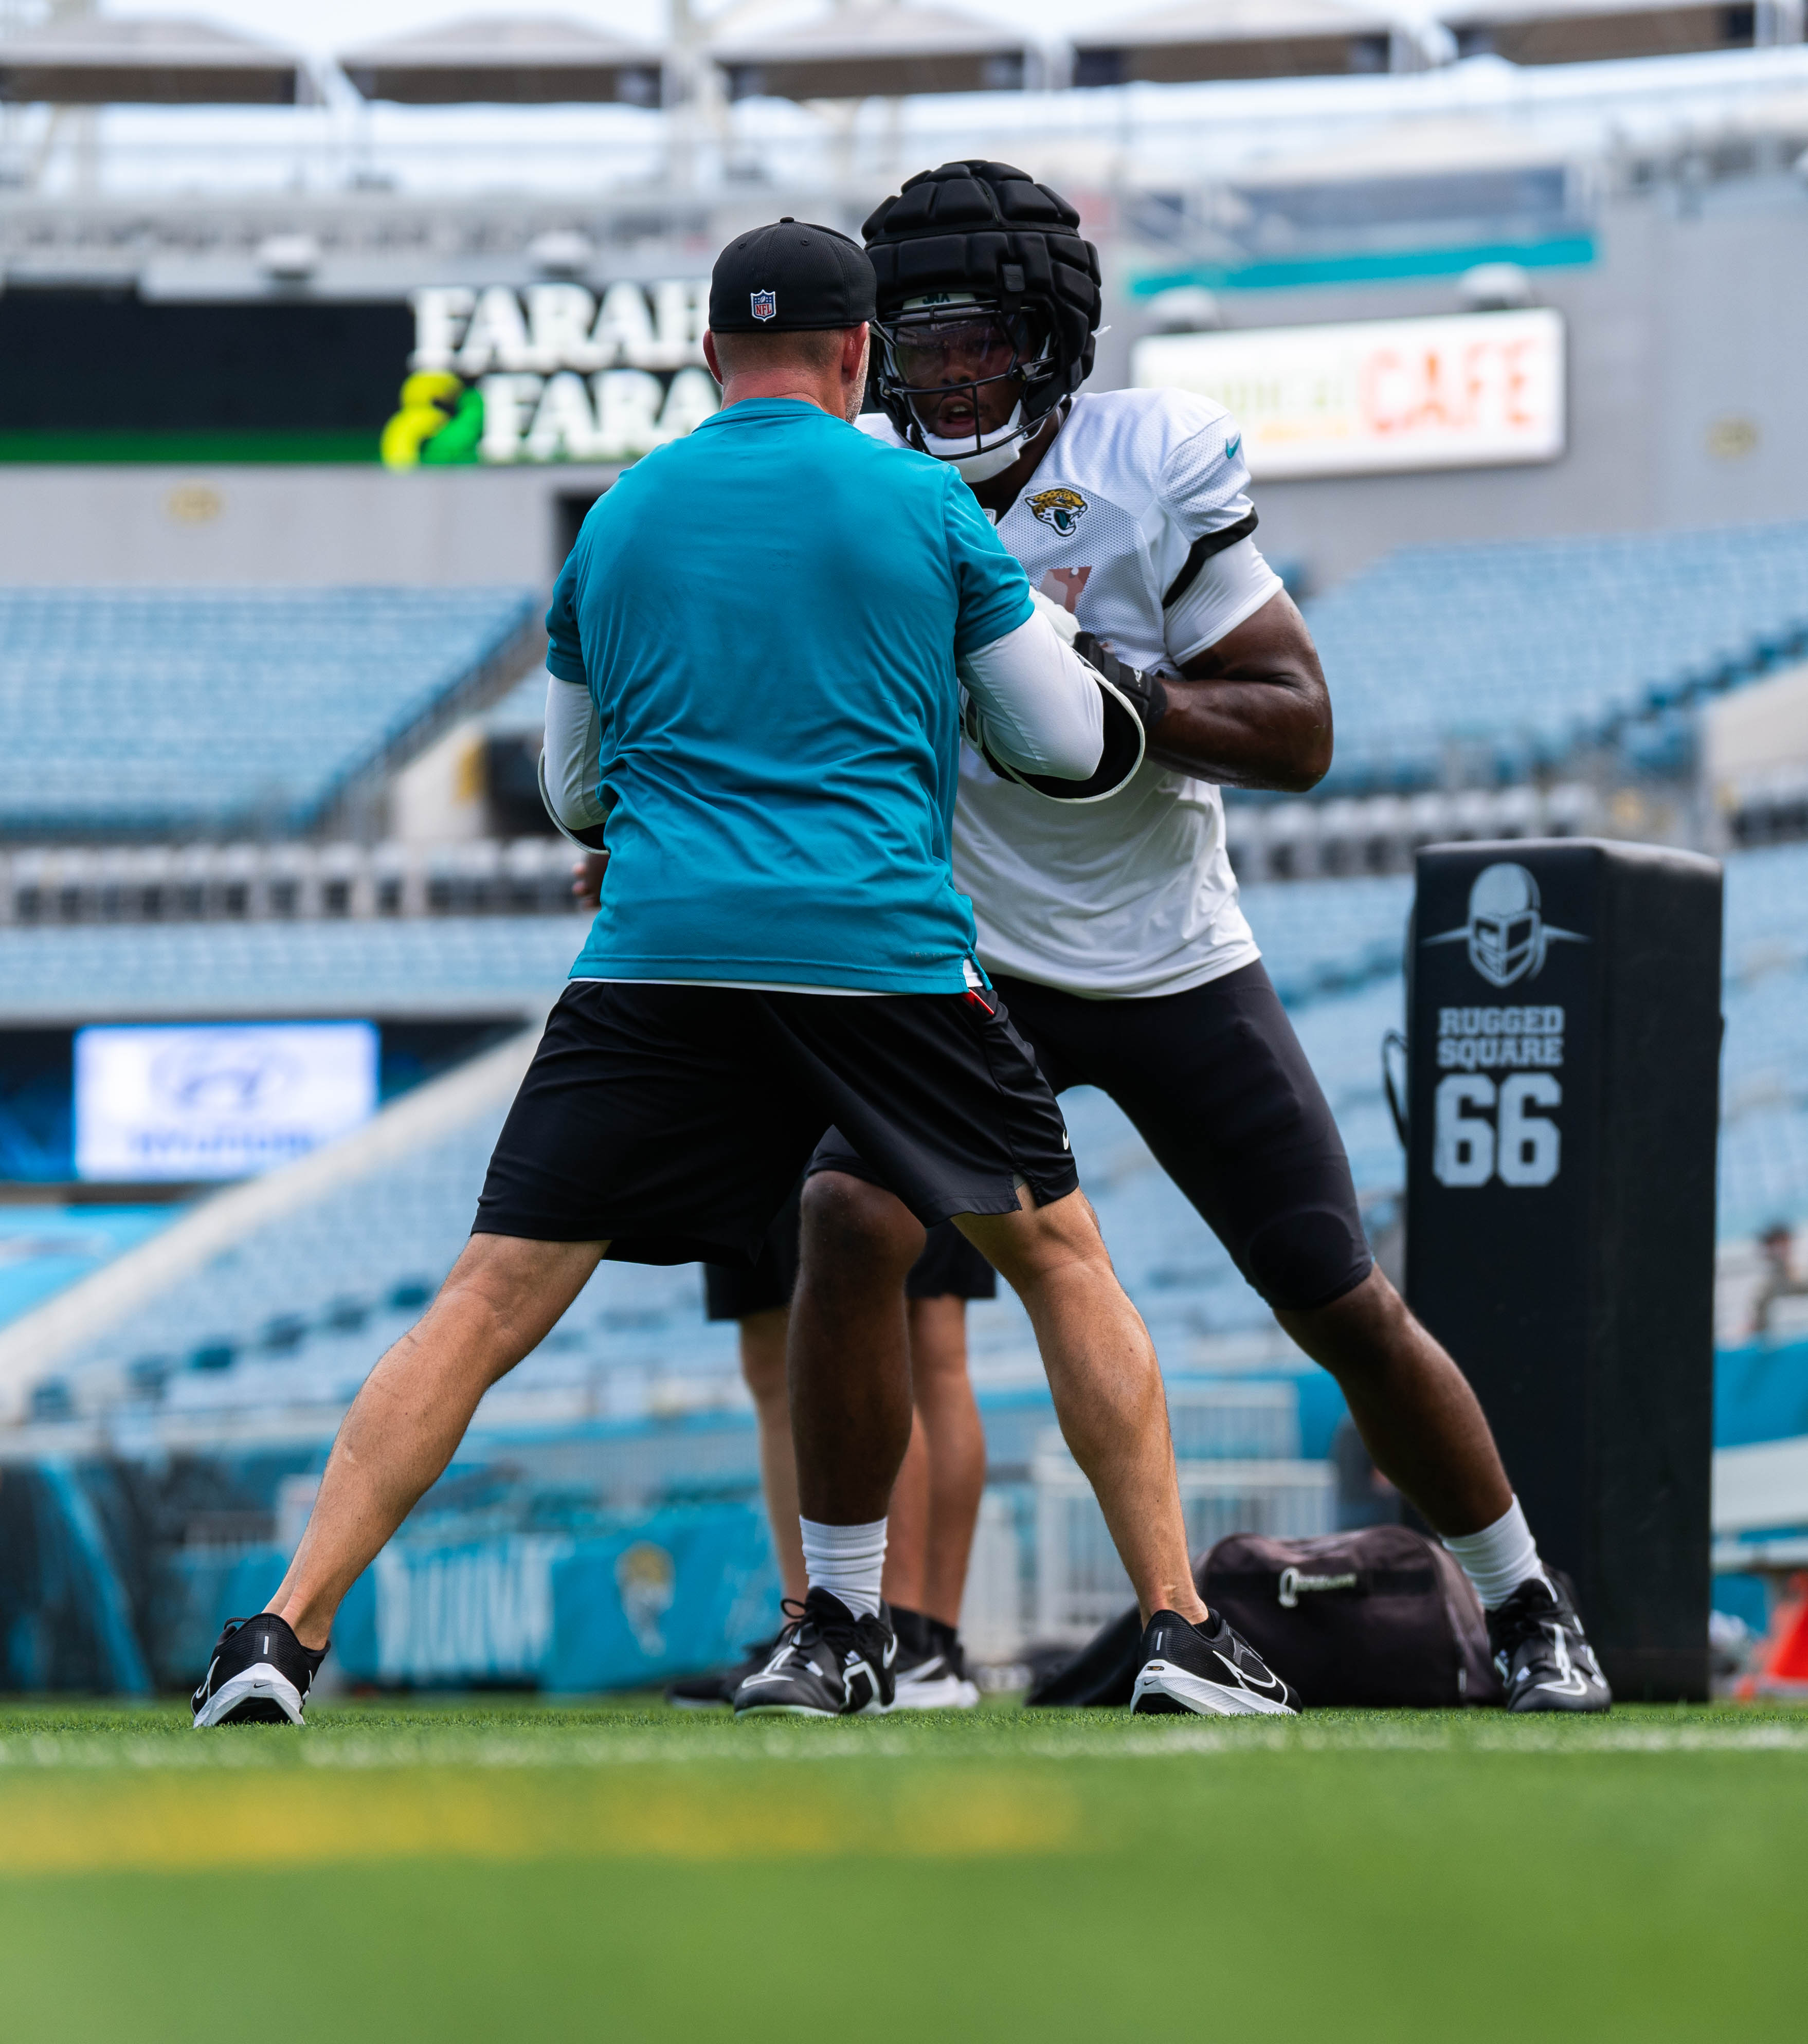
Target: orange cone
1784,1672
1789,1660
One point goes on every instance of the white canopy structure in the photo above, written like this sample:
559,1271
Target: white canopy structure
151,62
879,52
1231,38
506,60
1548,32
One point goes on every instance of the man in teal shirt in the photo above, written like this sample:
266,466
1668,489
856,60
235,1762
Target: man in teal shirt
768,820
758,653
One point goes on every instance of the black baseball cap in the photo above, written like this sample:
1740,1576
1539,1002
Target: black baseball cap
791,278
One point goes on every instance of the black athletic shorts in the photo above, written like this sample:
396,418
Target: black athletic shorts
949,1267
674,1120
1217,1085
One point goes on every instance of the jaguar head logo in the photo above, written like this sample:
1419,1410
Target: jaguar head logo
647,1577
1061,509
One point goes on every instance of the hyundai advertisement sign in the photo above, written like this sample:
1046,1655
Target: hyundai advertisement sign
217,1100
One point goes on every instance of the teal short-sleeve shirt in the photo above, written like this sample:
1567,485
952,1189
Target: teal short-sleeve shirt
766,615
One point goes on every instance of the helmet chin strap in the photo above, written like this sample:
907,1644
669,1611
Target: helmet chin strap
978,463
994,461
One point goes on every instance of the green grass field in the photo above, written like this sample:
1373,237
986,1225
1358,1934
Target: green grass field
490,1869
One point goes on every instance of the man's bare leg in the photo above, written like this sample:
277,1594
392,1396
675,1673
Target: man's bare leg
763,1341
954,1439
504,1296
850,1372
1106,1385
1412,1405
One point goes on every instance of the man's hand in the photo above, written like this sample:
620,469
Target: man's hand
586,879
1146,694
1253,710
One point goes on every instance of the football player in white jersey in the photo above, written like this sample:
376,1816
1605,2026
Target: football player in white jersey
1111,926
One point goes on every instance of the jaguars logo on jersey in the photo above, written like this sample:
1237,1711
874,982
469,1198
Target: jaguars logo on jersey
1061,509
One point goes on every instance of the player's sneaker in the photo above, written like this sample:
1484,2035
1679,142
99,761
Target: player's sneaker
1541,1653
702,1693
827,1664
1208,1669
930,1671
260,1674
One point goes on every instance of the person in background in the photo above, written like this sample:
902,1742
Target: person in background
1777,1246
935,1503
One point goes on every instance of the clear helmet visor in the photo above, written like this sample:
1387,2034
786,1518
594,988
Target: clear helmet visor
961,368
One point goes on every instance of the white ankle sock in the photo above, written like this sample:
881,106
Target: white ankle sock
846,1560
1499,1558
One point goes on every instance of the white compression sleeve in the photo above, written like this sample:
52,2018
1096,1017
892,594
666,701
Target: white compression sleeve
1229,588
573,740
1037,701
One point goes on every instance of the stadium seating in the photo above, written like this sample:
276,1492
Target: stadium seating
632,1408
375,966
1341,941
1517,655
1327,936
1764,1149
148,711
295,1314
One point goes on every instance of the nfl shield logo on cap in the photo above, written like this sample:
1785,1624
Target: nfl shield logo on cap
765,305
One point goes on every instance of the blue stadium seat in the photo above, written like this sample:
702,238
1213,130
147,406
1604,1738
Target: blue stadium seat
373,967
147,710
1518,653
298,1312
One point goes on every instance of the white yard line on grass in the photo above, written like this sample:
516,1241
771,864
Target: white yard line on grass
560,1748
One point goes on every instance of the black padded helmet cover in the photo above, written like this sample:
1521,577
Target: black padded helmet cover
991,229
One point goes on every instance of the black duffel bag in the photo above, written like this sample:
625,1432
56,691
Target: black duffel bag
1381,1616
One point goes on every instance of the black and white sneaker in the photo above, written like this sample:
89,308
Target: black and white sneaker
827,1664
1207,1668
1541,1653
260,1674
931,1671
703,1692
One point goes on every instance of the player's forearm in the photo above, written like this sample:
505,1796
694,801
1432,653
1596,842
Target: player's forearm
1268,731
1038,704
1252,711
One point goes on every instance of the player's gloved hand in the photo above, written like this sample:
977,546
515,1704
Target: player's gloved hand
1143,690
1135,703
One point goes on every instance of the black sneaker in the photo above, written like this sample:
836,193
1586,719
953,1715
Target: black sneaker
703,1692
1207,1668
827,1664
931,1671
259,1674
1541,1653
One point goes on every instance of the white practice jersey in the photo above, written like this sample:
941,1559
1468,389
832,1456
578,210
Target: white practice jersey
1133,895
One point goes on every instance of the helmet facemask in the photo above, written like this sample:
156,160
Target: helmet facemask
960,367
